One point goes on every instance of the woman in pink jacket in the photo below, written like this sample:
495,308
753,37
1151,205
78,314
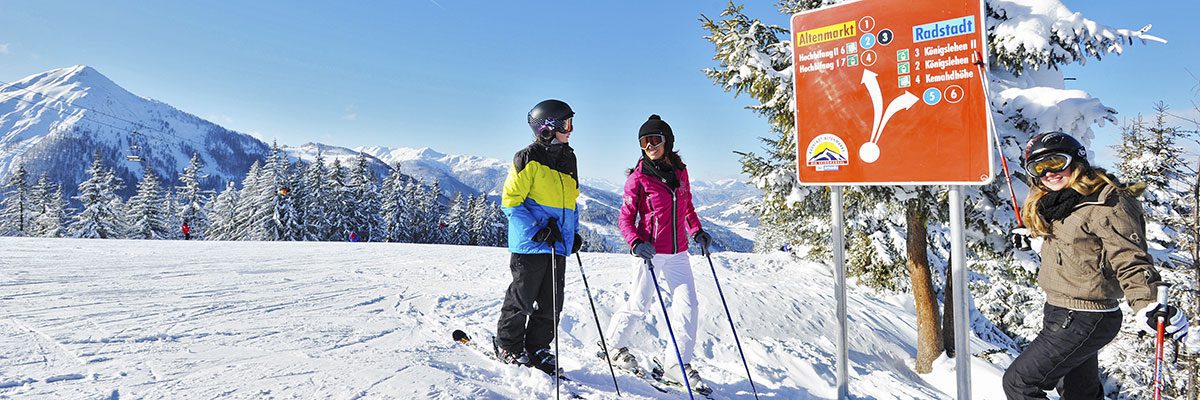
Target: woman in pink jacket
657,218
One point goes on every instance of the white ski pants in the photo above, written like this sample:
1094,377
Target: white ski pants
674,272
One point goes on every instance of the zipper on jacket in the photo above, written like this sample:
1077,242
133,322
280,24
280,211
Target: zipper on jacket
674,228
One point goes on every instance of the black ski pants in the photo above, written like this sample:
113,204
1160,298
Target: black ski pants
1065,350
526,321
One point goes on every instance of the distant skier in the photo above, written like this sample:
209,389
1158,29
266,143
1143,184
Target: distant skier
539,199
1094,253
656,219
187,231
353,237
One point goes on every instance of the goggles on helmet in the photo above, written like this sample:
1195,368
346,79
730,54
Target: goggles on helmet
651,141
1053,162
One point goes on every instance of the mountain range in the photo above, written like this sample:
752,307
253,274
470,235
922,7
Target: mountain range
54,122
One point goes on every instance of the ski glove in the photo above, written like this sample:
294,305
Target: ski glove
549,234
1175,324
643,250
578,243
704,239
1020,239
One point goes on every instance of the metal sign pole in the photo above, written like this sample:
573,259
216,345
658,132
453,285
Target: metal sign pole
839,289
962,347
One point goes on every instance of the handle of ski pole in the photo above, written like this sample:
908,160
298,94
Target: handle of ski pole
1162,293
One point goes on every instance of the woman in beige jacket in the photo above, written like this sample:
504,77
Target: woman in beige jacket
1093,254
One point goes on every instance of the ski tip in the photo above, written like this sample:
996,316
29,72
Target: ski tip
460,336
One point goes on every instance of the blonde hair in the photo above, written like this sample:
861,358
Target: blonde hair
1084,179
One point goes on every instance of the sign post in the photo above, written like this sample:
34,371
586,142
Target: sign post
887,93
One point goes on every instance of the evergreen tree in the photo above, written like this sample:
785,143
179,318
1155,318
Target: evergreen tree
284,223
223,215
455,222
365,217
394,207
144,211
101,216
253,207
340,204
1150,153
171,221
313,198
16,208
52,221
192,199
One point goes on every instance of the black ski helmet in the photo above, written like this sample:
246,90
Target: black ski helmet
548,117
1053,142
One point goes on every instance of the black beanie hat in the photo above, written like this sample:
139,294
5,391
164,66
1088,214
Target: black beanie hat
654,125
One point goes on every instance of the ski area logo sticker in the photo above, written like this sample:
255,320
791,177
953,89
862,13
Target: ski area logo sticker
827,152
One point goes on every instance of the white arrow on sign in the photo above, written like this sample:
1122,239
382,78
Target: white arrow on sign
869,152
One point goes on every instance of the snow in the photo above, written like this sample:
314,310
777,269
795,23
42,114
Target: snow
202,319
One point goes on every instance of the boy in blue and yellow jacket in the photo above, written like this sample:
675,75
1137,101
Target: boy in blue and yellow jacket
539,199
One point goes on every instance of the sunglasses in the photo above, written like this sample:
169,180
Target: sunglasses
1055,162
651,141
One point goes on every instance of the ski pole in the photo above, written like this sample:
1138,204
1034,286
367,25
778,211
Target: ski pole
1158,343
667,318
983,79
730,318
599,330
554,303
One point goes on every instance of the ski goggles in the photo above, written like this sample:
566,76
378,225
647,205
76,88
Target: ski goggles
651,141
1054,162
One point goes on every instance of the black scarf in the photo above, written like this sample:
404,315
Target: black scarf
1057,205
660,170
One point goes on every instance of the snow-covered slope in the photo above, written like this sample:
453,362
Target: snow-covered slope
92,319
54,121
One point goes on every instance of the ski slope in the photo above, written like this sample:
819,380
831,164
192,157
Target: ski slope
111,319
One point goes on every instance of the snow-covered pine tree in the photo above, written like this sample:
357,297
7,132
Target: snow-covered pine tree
253,207
281,221
313,198
456,221
495,231
16,207
101,214
192,199
393,208
476,219
52,220
1026,44
428,214
340,204
366,217
416,219
171,220
144,210
222,214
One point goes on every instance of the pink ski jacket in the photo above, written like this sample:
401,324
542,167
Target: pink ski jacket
651,212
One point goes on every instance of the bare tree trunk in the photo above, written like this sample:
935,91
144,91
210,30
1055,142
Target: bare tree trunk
929,333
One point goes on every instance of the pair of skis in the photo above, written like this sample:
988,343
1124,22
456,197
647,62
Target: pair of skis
564,382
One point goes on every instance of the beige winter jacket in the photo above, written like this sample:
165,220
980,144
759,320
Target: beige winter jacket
1098,254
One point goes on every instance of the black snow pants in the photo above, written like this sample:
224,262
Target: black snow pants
526,321
1063,356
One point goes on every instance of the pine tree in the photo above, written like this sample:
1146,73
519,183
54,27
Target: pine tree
455,222
101,216
253,207
394,207
223,215
144,211
192,199
16,208
283,223
52,221
365,217
340,204
313,198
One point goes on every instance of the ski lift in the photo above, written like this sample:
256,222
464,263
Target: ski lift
135,151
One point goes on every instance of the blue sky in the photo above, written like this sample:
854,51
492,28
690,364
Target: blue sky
460,76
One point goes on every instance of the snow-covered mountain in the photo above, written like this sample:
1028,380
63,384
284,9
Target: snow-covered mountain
54,121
